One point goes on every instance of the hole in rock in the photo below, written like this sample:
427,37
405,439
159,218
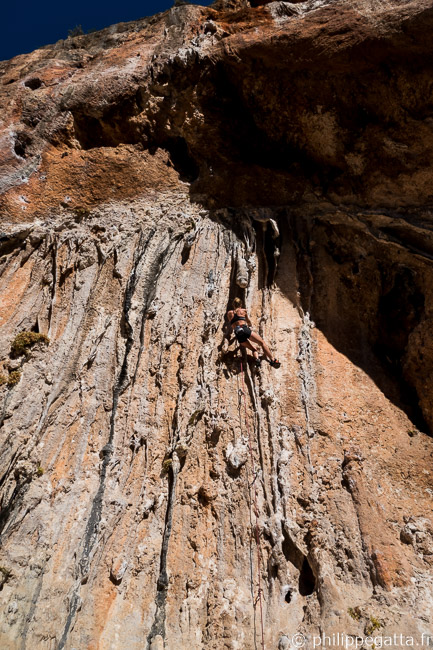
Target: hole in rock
113,128
64,275
288,596
22,141
10,243
273,570
181,159
34,83
91,133
115,581
291,552
307,581
185,254
203,498
233,472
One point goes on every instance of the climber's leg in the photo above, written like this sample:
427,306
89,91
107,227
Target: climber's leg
247,344
258,339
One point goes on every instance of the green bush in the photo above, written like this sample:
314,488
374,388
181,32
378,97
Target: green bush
372,626
14,378
75,31
354,613
24,340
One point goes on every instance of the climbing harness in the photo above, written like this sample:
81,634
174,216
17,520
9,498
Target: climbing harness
242,333
256,514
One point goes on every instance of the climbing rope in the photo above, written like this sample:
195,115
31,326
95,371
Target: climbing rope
256,514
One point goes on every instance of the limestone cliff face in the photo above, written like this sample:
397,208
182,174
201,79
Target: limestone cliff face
151,173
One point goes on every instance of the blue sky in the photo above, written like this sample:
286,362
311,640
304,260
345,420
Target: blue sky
31,24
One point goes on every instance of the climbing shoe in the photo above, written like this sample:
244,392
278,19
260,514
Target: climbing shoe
257,363
275,363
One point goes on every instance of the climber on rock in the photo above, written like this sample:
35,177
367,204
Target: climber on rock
240,324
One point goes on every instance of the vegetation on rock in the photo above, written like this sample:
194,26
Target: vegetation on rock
25,340
355,613
5,574
14,378
373,625
75,31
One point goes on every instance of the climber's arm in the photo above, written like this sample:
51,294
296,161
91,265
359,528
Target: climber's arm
227,327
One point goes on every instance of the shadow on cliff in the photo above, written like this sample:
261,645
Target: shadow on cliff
365,302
